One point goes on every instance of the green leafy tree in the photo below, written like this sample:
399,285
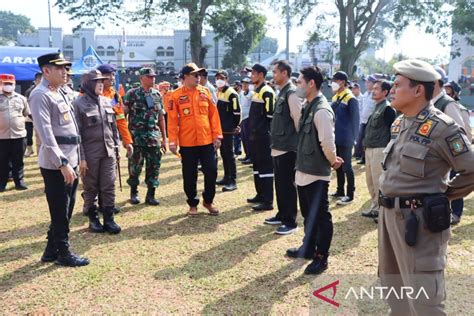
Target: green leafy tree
463,19
11,25
365,23
266,45
241,30
96,12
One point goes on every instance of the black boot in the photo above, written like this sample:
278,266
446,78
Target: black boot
94,223
20,185
150,197
318,265
50,253
223,181
110,225
69,259
134,195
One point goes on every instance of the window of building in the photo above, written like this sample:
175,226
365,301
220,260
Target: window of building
68,52
110,51
160,51
169,51
100,50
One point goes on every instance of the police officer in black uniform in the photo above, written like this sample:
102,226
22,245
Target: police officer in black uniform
260,118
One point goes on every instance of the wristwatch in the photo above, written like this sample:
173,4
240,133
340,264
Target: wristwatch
64,162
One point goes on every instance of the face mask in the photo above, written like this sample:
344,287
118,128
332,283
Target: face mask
220,83
335,86
8,88
300,92
179,84
251,87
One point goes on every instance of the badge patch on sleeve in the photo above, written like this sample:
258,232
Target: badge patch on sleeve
457,145
426,128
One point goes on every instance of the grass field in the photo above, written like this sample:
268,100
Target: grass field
164,262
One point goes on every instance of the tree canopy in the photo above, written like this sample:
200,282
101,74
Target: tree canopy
11,25
241,30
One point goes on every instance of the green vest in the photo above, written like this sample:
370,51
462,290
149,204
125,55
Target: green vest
377,133
283,131
310,157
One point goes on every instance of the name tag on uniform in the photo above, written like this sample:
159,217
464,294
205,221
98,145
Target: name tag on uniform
183,99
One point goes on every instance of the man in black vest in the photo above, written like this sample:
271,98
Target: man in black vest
229,114
260,117
284,140
315,155
377,136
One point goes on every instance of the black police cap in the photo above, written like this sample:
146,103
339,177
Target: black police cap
56,59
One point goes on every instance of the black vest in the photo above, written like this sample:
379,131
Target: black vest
443,102
284,136
226,109
377,133
259,123
310,157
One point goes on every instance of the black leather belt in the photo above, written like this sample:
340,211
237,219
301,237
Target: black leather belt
68,140
404,201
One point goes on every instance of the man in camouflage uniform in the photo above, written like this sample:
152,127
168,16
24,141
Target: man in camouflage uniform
145,114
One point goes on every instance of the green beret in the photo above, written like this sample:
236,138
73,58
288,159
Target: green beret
416,69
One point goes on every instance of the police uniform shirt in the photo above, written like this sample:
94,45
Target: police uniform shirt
14,110
420,154
53,116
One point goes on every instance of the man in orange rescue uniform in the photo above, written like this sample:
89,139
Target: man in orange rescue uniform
194,126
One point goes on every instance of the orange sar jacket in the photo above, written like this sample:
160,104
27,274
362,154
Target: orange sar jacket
193,119
122,124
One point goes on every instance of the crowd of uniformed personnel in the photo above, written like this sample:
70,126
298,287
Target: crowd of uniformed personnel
415,135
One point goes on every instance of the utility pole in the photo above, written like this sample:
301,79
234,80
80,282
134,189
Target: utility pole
50,30
288,30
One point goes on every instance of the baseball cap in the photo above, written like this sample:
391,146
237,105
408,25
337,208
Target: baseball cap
147,71
191,68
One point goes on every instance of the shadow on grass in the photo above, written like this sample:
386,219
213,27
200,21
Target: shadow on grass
260,294
222,257
25,274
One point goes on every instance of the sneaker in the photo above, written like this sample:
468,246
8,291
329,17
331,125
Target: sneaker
455,219
345,200
370,213
318,265
285,230
336,195
272,221
299,253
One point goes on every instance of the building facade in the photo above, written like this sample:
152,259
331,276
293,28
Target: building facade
168,53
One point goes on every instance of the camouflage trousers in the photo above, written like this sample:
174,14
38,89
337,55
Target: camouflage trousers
152,157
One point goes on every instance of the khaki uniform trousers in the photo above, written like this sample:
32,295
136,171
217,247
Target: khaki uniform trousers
373,170
419,266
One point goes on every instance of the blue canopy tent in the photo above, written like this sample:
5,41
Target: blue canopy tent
21,61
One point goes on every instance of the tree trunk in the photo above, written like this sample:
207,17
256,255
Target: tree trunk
348,56
195,29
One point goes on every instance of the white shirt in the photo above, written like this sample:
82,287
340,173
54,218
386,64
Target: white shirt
368,106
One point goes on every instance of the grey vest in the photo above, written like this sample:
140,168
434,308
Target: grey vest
310,157
284,135
377,133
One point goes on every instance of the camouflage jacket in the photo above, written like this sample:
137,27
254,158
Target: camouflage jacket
144,111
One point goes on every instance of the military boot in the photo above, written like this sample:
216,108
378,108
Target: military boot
110,225
94,223
134,195
150,197
50,253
